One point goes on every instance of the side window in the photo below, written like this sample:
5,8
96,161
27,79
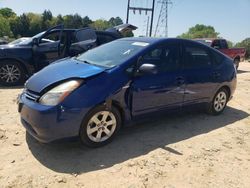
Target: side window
224,44
154,55
218,58
102,38
216,44
85,34
196,57
53,37
165,58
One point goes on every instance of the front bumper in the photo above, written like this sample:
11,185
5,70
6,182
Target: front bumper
47,123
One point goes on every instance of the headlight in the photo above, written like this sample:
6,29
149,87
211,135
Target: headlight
59,93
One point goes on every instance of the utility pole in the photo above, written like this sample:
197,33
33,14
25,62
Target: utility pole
141,9
147,27
163,18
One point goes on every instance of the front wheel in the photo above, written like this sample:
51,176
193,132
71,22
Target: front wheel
11,73
219,102
100,126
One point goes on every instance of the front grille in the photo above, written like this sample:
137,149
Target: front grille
31,95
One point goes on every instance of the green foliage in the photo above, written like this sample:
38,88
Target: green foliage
29,24
101,24
7,12
115,21
230,44
4,27
245,44
199,31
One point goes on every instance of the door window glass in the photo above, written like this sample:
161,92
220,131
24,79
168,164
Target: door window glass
224,44
54,37
196,57
216,44
166,58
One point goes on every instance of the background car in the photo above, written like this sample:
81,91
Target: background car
20,60
92,95
237,54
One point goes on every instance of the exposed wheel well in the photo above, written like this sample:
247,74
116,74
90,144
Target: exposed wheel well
120,109
237,58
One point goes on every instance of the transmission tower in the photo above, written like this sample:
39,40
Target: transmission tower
162,22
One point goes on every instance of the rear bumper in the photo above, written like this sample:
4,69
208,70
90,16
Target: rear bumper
47,124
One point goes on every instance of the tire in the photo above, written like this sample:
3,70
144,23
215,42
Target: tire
219,102
96,125
236,63
11,73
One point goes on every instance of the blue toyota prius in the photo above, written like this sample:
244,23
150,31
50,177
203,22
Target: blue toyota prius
94,94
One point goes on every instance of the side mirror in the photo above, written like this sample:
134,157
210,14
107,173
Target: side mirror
147,69
35,41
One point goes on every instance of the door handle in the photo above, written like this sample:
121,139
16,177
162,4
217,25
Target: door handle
180,80
216,75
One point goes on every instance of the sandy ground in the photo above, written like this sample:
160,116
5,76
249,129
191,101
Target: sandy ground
187,150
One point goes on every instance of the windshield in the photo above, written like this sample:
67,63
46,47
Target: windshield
112,54
28,41
17,41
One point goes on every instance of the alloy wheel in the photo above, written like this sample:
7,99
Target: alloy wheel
10,73
101,126
220,101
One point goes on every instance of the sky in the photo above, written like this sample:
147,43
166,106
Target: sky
231,18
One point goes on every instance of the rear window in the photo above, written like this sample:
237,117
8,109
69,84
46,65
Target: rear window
84,35
196,57
218,58
102,38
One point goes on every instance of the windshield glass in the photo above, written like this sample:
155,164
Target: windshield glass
17,41
28,41
112,54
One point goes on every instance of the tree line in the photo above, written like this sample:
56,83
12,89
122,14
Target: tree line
29,24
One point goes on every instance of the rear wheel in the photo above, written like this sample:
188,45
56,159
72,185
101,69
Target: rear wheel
11,73
219,102
100,126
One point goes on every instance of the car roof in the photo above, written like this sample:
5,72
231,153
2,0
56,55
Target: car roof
154,40
212,39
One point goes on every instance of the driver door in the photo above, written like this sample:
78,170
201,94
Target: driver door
49,47
164,89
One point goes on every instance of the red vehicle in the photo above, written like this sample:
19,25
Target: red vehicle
237,54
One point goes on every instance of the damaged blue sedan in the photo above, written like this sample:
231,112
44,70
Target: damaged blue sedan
94,94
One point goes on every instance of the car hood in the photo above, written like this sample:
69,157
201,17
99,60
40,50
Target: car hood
11,46
61,70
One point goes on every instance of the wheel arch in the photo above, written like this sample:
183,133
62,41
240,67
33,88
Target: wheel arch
118,106
237,58
227,88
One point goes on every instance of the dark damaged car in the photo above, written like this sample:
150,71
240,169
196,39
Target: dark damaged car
21,60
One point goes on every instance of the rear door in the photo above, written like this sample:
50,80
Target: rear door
164,90
200,77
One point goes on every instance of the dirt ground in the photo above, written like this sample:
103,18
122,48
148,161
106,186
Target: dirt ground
187,150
